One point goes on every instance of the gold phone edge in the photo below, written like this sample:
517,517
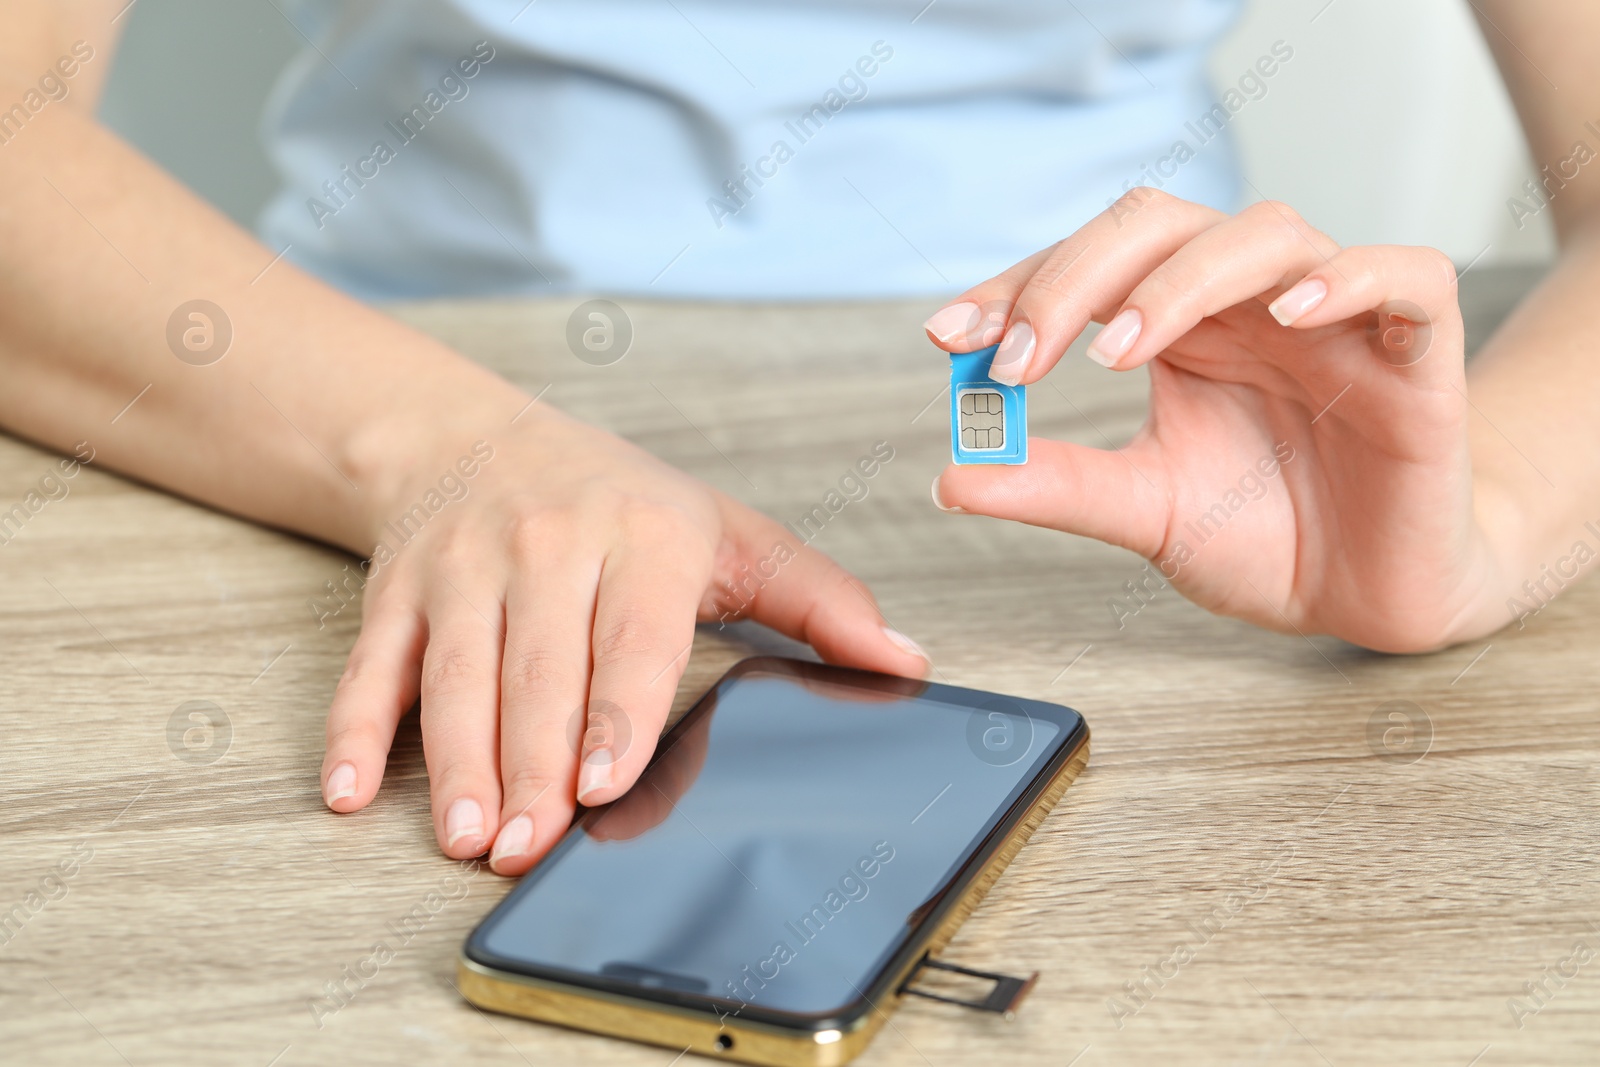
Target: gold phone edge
753,1042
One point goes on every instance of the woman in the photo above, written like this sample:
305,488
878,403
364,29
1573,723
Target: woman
803,149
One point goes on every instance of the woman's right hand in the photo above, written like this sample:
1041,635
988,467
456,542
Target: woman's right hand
544,617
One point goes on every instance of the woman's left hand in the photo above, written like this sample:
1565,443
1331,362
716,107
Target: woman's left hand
1305,461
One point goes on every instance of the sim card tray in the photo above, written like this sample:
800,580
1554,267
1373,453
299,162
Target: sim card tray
1003,999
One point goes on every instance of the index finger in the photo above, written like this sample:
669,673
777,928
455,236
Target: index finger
1084,278
643,629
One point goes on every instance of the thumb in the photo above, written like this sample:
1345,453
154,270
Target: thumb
1119,497
780,582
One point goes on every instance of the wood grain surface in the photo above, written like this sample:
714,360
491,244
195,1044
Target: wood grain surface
1258,867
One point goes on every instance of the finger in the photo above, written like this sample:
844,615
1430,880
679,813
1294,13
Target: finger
460,702
544,686
643,629
977,318
378,687
1118,497
1406,283
1262,249
803,594
1089,275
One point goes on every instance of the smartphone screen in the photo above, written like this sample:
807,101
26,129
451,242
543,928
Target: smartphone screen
784,843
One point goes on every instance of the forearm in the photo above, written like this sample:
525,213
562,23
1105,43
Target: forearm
1535,427
1536,423
67,45
308,421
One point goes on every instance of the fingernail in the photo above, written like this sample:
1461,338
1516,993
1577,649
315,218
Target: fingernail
514,839
595,774
904,643
939,503
1113,342
341,783
1012,357
953,322
464,819
1297,301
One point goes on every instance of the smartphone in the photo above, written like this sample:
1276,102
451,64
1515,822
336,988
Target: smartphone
804,840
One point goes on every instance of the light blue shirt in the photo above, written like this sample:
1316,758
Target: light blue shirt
786,149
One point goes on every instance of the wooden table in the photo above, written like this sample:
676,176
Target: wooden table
1342,900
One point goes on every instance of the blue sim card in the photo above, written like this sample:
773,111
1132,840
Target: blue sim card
988,421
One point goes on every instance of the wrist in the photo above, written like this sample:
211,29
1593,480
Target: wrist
423,450
1541,554
1513,580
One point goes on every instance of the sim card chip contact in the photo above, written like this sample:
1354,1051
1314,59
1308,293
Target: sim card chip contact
983,419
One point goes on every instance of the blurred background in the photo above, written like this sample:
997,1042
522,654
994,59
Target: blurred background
1390,125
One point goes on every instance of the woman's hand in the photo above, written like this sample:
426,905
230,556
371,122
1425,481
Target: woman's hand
1305,461
538,590
543,606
